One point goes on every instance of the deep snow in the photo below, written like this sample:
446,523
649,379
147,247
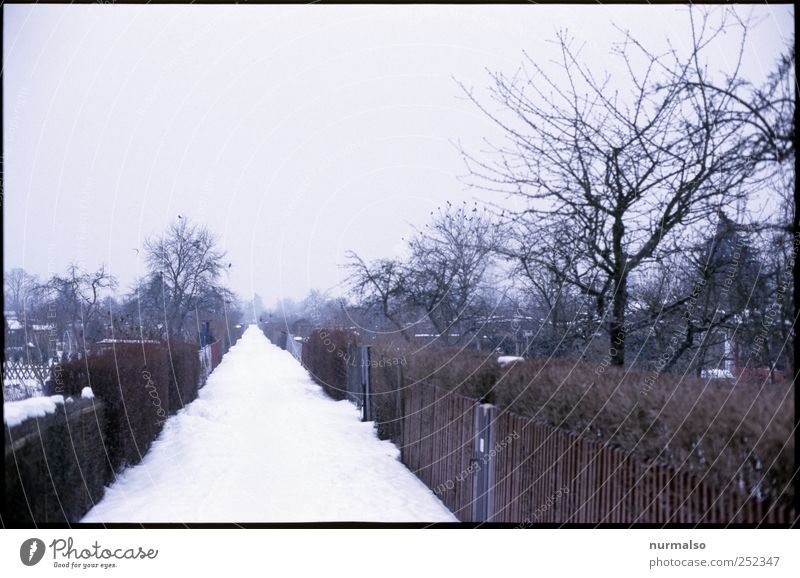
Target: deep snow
263,443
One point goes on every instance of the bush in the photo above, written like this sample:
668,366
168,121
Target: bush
184,371
56,467
325,355
235,334
733,433
133,381
469,372
387,379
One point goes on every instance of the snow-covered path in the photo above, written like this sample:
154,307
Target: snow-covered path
263,443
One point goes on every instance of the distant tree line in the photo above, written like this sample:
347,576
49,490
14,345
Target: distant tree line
71,311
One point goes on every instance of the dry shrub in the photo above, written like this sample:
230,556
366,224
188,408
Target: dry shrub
184,372
736,434
133,381
55,466
471,373
387,369
325,357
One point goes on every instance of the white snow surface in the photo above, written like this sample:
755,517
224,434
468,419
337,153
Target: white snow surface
15,412
263,443
87,393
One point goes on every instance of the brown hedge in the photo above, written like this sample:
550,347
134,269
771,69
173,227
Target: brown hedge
56,467
133,381
325,355
733,433
184,373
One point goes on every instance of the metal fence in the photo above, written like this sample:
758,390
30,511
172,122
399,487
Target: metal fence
210,358
294,346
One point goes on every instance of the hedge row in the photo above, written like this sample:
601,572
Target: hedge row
184,374
325,354
387,376
329,354
136,388
134,382
56,467
733,433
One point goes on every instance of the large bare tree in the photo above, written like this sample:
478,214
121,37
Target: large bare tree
443,279
447,270
186,266
612,170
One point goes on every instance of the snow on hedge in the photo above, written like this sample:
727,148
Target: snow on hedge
504,360
16,412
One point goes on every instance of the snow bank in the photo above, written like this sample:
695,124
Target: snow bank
15,412
87,393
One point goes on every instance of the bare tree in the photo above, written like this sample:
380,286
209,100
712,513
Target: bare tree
614,171
77,297
18,286
442,281
187,266
380,285
564,322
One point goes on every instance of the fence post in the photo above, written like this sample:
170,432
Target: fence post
365,384
398,411
355,387
482,463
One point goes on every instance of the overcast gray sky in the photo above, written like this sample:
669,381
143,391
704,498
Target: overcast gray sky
294,132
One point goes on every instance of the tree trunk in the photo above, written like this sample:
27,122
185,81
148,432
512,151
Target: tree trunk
617,325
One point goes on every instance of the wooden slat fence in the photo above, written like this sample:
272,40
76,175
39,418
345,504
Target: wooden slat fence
438,431
540,474
535,473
